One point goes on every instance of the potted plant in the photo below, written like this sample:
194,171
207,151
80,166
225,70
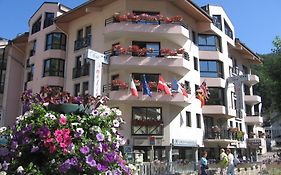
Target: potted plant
215,129
44,141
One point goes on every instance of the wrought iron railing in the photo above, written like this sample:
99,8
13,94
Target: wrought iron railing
81,71
82,42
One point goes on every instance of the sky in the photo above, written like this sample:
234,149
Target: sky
256,22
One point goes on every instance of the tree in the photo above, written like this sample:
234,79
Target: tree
269,73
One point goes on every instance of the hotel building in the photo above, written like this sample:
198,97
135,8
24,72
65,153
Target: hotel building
145,37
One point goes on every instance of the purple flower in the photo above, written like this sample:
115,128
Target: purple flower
117,172
90,160
26,140
34,149
101,167
110,157
64,167
84,150
70,147
14,145
100,137
73,161
43,132
5,165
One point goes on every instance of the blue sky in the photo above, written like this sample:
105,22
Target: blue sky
256,22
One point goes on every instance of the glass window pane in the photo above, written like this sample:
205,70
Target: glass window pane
203,66
155,47
212,66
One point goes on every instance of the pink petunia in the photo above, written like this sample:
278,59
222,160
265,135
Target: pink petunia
63,119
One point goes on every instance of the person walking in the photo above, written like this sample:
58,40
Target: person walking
223,162
230,168
204,163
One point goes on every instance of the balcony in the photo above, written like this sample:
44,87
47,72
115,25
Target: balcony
82,42
81,71
221,138
178,64
254,119
122,94
252,99
174,30
211,55
253,79
217,111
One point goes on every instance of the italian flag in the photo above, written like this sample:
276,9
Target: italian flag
134,90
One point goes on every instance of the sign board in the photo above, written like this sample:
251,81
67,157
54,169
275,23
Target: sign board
152,140
239,78
184,143
96,56
254,142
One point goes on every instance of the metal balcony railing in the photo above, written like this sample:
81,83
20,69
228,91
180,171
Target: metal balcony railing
82,42
81,71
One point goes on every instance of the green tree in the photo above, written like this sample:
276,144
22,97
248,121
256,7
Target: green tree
269,73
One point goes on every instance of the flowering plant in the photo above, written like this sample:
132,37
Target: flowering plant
44,141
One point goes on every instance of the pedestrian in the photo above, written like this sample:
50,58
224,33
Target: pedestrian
230,168
204,163
223,161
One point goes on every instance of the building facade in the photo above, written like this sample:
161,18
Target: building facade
176,40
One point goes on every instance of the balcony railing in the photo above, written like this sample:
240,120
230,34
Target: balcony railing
152,21
224,134
81,71
82,42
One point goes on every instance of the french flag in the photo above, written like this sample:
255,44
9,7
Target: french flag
134,90
176,86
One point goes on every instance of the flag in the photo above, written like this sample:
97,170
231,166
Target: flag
201,98
133,87
176,86
204,90
145,87
162,85
203,93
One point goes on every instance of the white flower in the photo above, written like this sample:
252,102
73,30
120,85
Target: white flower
20,169
114,130
53,161
95,113
3,173
80,130
95,128
51,116
117,111
45,104
2,129
116,123
108,136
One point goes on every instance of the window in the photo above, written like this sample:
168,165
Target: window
248,110
194,37
76,89
30,74
85,88
247,90
53,67
49,17
245,70
188,118
211,69
33,48
147,121
36,26
227,30
209,42
231,124
233,100
151,79
216,96
198,120
56,41
148,45
83,41
217,21
195,60
196,87
146,21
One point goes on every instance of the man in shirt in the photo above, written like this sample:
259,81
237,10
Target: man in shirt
223,161
230,168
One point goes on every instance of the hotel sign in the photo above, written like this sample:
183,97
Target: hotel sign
254,142
184,143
